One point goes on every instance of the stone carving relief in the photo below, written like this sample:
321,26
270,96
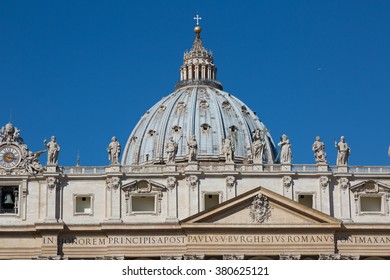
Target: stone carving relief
171,183
233,257
9,133
343,182
113,183
193,257
337,257
16,158
329,257
289,257
171,258
192,181
260,209
287,181
52,183
324,182
230,181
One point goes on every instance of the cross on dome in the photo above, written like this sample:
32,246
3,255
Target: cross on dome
197,18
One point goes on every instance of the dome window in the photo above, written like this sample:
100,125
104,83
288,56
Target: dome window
176,128
226,105
180,106
151,132
203,104
134,138
205,128
233,128
162,108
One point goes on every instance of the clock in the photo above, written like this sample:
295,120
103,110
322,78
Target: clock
10,156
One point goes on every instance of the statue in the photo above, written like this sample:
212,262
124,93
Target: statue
192,148
342,151
114,151
318,148
32,163
228,149
285,149
53,150
258,146
171,149
9,133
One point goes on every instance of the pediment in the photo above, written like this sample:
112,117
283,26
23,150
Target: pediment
143,186
370,186
261,207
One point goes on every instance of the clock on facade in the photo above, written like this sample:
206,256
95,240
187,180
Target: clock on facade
10,156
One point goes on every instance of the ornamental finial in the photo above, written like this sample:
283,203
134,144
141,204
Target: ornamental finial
197,28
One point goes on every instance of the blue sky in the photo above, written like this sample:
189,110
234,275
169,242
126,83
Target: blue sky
87,70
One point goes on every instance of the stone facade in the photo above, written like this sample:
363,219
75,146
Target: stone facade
191,205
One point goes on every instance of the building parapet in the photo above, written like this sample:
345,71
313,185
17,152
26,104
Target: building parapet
301,168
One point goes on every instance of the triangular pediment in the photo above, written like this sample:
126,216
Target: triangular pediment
261,207
370,186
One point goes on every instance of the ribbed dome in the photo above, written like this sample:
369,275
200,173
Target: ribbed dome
199,108
206,112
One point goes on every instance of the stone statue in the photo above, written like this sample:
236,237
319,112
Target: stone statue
318,148
53,150
192,148
228,149
9,133
171,149
258,146
114,151
32,163
343,151
285,149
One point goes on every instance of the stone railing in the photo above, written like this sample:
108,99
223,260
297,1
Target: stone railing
83,169
269,168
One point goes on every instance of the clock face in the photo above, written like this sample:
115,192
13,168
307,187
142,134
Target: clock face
10,156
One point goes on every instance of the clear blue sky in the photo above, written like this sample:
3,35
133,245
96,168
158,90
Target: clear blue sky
87,70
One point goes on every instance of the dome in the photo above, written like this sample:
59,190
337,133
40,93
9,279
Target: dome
198,108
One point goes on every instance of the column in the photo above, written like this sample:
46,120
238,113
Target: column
203,72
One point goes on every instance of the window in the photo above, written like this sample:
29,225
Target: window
9,200
371,204
83,204
210,200
143,204
306,199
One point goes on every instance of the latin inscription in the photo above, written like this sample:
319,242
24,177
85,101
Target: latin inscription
219,239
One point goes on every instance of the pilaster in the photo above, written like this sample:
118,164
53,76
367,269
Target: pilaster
52,176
